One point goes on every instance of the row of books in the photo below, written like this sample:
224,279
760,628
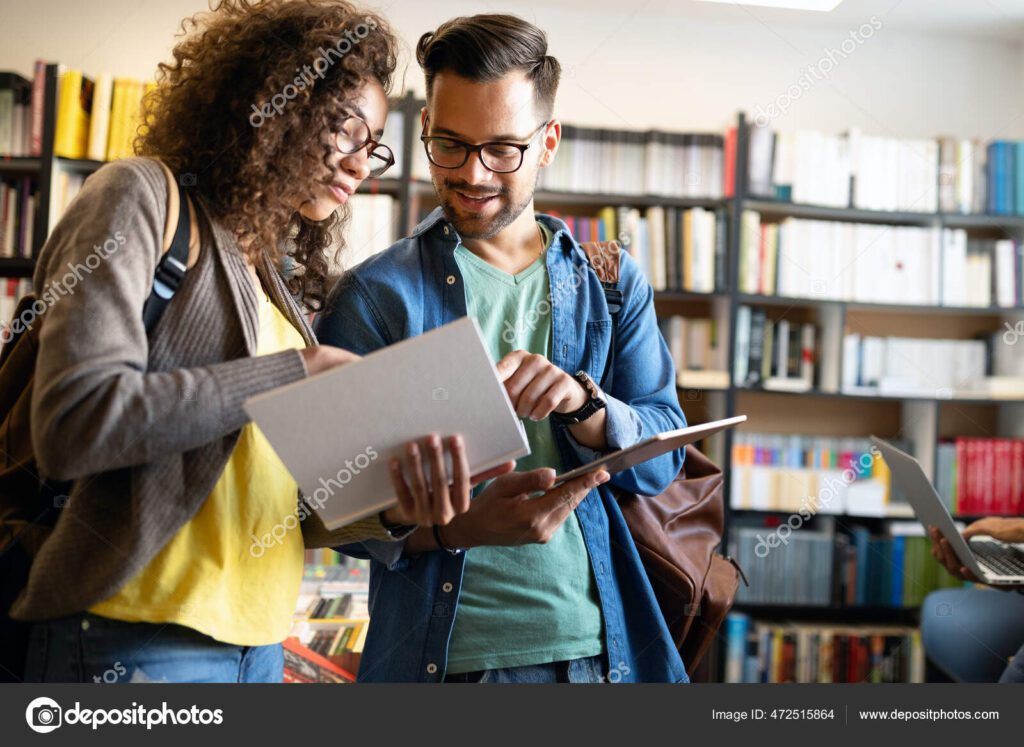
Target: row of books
981,476
883,173
18,204
97,118
302,665
341,643
759,651
869,263
906,366
790,564
11,291
16,115
698,351
777,355
635,163
677,249
819,474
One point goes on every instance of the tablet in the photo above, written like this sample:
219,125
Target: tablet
655,446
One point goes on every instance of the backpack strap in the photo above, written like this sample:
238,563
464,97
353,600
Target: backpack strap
177,243
605,261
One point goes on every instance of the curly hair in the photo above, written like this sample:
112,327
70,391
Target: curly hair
253,87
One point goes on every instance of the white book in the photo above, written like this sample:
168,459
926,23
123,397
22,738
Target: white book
336,432
99,120
1005,286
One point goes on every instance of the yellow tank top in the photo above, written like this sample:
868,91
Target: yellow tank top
233,571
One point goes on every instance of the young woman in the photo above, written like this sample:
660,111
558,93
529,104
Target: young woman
271,113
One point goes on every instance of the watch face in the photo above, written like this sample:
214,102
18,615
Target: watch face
591,386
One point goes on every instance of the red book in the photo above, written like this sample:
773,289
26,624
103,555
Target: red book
961,477
988,470
1003,468
1017,478
974,487
729,183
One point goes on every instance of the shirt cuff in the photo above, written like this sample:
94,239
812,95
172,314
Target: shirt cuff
622,429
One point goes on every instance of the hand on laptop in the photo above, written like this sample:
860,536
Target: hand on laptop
441,497
1005,530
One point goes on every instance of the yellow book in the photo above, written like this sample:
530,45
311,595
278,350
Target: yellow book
116,135
607,216
71,136
133,117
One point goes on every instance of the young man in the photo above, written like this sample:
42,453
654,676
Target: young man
481,599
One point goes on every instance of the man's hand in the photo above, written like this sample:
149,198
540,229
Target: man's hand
1005,530
537,387
507,513
942,551
440,498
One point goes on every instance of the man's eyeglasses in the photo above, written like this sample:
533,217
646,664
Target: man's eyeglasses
499,157
353,134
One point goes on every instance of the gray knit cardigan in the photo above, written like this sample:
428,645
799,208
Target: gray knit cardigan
144,427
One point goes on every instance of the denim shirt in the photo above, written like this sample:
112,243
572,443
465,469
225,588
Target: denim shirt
414,287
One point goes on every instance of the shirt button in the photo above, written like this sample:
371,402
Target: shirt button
431,668
446,586
446,231
451,280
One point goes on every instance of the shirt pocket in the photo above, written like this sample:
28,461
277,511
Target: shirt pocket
599,338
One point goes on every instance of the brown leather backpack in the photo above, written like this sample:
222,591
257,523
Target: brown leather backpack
678,532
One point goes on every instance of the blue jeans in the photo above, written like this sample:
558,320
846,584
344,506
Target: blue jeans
589,670
975,635
90,648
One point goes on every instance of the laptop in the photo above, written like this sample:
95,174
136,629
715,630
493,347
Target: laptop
994,562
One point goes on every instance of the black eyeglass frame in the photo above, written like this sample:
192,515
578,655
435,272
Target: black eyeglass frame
373,146
469,148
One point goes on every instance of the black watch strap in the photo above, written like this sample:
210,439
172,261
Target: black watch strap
592,406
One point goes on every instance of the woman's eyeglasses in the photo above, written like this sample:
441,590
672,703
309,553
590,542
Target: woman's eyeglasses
353,134
499,157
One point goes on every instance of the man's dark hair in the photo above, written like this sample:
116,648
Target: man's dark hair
484,48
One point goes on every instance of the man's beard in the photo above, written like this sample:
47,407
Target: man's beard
481,227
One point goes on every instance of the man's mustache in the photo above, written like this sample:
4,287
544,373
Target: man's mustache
466,189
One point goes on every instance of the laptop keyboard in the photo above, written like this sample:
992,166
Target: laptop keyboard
1003,560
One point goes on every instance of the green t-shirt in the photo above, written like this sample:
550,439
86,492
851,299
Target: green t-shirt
531,604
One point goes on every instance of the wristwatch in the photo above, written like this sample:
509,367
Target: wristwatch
596,402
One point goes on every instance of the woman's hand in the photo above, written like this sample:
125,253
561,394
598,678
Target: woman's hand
441,497
320,358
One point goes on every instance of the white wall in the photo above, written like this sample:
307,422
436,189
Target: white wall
630,68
